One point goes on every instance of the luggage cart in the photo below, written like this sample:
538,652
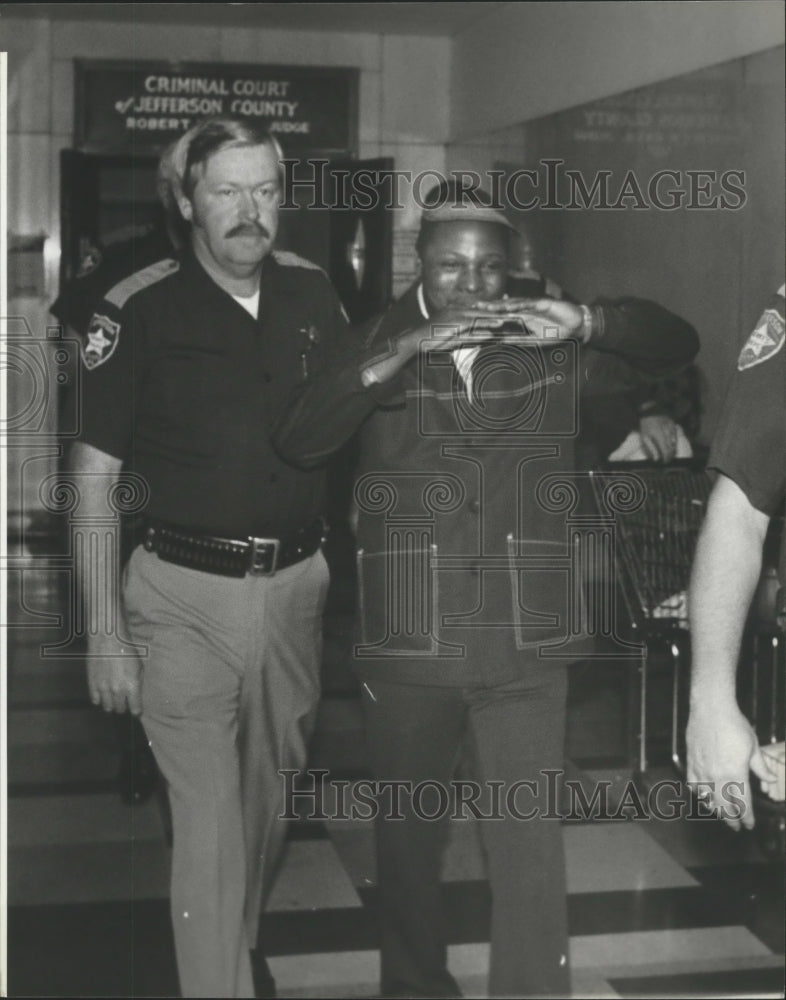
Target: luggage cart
655,545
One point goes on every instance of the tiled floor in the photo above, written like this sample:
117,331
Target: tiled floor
651,912
681,908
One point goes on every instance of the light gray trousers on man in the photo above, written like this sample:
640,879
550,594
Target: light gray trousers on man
230,691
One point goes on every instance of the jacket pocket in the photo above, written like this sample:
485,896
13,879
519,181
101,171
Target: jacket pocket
547,593
399,604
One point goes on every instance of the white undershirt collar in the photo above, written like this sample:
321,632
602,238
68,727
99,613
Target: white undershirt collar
249,302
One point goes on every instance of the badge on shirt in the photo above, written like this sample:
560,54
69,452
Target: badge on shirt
100,342
766,340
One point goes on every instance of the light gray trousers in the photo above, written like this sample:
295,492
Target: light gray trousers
230,691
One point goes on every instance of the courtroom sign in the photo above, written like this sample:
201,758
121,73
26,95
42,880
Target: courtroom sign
140,107
700,114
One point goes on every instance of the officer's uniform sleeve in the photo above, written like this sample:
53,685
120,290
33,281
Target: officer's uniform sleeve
82,295
112,360
77,298
74,304
101,270
750,444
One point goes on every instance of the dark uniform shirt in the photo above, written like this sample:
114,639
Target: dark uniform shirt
102,269
750,444
183,385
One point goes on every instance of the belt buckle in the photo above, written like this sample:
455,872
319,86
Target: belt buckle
260,547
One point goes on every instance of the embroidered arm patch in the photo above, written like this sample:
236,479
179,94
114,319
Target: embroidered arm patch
100,341
768,336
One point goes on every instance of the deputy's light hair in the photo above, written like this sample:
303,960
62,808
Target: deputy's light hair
169,187
210,136
169,184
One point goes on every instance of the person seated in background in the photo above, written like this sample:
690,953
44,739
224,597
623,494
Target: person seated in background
627,414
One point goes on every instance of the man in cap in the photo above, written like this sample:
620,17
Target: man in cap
464,614
218,632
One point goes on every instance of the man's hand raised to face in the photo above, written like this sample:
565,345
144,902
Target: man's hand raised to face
453,328
544,319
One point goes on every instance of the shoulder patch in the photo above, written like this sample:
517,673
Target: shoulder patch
123,290
768,336
100,341
288,259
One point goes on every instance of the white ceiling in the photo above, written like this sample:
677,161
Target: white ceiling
445,19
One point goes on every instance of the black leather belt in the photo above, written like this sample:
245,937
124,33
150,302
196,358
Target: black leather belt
231,556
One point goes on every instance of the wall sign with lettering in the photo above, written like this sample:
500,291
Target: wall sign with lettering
140,107
685,113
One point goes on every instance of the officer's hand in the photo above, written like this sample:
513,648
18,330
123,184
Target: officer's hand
658,437
114,682
545,319
722,749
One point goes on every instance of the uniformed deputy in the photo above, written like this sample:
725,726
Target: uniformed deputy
749,452
187,364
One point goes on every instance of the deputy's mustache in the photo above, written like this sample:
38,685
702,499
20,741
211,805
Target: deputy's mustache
249,229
